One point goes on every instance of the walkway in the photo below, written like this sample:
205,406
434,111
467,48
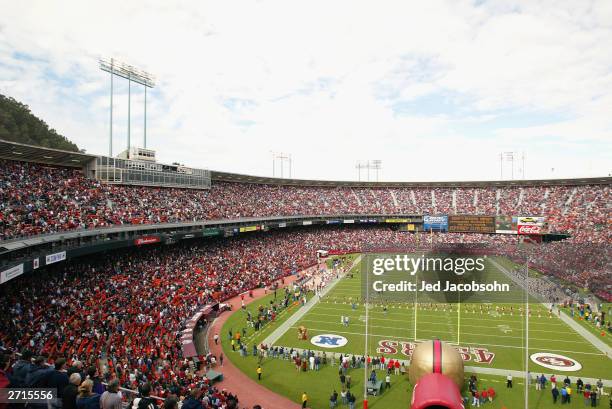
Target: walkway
249,392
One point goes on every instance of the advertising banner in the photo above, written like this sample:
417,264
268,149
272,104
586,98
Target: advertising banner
407,227
332,222
435,223
211,232
55,257
506,224
531,225
250,228
306,222
349,221
145,240
397,220
529,229
11,273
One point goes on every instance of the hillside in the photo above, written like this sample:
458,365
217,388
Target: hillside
18,124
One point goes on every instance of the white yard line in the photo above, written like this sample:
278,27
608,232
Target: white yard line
452,332
438,323
481,317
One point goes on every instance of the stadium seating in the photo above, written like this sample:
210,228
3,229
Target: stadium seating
133,304
39,199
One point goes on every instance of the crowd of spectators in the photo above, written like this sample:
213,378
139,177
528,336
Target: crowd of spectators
120,297
586,265
36,199
123,312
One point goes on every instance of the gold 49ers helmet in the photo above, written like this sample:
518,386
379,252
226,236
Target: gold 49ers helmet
436,357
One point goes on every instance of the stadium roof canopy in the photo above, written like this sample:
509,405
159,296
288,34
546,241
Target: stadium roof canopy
29,153
235,177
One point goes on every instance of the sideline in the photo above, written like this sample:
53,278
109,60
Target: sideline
477,369
290,322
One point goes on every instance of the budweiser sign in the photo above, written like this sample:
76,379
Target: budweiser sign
146,240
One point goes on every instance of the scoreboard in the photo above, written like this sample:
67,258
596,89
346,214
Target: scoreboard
471,224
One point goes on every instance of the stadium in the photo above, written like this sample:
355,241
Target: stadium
129,282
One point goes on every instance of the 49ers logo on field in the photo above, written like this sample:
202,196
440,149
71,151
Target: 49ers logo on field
556,362
473,354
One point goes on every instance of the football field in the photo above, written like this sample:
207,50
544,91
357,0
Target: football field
487,334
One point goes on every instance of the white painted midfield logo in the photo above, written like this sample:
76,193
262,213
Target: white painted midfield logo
473,354
329,341
555,361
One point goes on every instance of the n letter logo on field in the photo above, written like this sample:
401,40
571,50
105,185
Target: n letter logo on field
329,341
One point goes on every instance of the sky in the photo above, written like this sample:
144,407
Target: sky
436,90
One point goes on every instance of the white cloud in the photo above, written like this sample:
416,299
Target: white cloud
320,79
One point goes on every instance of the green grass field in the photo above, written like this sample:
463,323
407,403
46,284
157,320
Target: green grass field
490,339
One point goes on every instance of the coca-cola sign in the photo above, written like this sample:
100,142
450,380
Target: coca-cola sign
532,225
529,229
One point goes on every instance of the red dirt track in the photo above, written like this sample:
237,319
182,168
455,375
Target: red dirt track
248,391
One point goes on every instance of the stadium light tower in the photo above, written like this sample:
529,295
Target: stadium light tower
375,164
281,157
509,157
132,74
360,165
